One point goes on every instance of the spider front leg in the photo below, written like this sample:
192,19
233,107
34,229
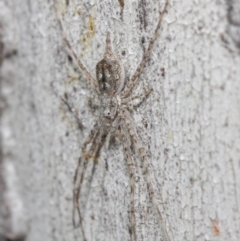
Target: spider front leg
131,84
126,146
73,53
142,153
96,139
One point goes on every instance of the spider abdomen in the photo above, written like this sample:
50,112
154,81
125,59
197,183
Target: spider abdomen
110,72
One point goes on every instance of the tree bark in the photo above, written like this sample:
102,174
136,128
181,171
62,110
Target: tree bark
189,124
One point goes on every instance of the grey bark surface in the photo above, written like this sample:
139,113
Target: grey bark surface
190,124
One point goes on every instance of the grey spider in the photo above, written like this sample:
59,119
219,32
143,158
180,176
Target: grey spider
116,98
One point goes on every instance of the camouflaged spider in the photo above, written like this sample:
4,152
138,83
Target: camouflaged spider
116,98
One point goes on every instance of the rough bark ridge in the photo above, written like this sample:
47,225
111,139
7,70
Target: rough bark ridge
189,124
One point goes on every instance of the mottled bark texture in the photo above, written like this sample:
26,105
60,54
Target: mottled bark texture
190,124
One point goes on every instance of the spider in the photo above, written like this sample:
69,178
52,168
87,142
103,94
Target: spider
117,103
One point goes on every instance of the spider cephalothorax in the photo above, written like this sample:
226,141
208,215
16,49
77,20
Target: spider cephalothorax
110,107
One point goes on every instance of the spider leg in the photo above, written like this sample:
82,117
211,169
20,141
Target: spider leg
96,152
96,140
73,111
126,145
142,152
139,99
130,85
79,177
78,61
75,201
65,102
105,133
